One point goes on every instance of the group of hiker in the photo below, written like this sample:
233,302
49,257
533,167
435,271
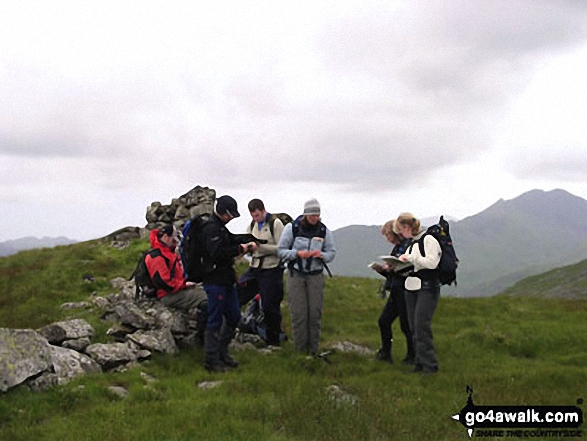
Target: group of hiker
199,273
203,276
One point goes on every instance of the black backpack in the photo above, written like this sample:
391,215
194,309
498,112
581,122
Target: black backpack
191,249
144,287
447,268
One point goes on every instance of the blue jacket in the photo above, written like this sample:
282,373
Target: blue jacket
289,246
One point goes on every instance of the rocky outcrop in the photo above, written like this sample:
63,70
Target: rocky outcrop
23,354
198,200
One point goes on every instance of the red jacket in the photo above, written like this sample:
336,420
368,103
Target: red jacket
166,270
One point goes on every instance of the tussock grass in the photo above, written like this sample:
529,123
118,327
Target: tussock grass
510,350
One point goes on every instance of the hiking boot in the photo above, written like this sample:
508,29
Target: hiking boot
415,370
215,368
428,370
229,361
383,355
408,360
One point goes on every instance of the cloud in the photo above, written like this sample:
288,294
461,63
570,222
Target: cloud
357,97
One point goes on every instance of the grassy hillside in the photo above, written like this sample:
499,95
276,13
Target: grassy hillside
510,350
566,282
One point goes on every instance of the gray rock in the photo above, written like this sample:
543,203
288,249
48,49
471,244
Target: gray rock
75,305
130,314
23,354
111,355
44,381
57,333
209,384
119,332
347,346
126,288
159,340
69,364
337,394
119,391
101,302
78,344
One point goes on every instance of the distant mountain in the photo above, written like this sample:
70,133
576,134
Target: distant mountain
510,240
26,243
565,282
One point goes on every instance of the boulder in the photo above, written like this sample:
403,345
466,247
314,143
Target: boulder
78,344
23,354
112,355
57,333
69,364
130,314
159,340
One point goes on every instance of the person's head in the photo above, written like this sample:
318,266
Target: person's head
407,225
312,211
168,236
226,208
390,235
257,210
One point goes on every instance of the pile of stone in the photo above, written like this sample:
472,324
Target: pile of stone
199,200
61,351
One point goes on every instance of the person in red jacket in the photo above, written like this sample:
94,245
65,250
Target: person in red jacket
166,272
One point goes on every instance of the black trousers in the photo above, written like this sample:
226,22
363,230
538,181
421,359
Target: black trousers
394,308
270,285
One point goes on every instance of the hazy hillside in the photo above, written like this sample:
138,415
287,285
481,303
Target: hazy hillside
10,247
569,282
507,242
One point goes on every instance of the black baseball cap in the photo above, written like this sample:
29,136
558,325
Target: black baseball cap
227,204
167,229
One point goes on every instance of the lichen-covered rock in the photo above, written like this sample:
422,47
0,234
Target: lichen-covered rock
56,333
130,314
23,354
347,346
160,340
78,344
111,355
69,364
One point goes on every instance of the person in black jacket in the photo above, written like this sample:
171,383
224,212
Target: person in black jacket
219,277
396,304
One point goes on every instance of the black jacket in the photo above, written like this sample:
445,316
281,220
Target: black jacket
221,247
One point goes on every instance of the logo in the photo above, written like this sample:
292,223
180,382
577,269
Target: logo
520,421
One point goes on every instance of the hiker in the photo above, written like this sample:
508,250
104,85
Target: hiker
422,290
220,247
166,273
266,269
307,246
396,305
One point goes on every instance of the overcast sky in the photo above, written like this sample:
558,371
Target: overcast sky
372,107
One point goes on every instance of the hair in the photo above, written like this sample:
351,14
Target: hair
388,228
256,204
408,219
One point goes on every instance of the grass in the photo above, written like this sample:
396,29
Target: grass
510,350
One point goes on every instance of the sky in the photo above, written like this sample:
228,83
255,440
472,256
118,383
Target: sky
373,108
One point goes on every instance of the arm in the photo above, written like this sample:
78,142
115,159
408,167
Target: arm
433,253
160,274
217,247
285,243
328,249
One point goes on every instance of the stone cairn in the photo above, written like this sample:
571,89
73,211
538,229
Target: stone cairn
199,200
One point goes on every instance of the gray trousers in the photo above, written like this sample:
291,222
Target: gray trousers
306,298
186,299
421,305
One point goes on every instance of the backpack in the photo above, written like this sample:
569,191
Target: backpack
447,268
191,250
253,320
144,287
283,217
